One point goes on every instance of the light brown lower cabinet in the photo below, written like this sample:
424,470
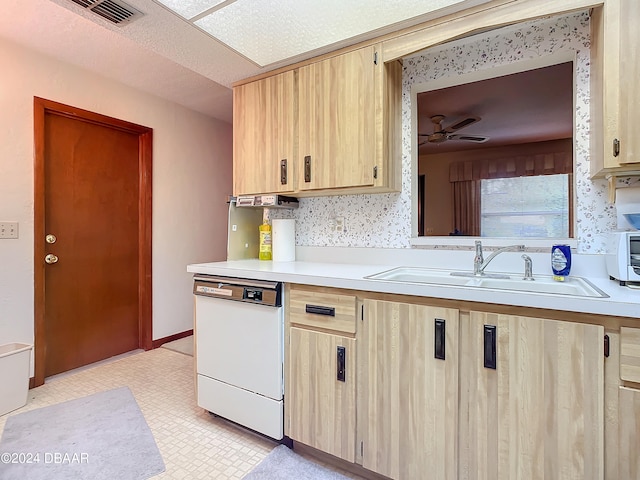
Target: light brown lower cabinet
629,405
322,406
409,405
539,413
629,453
450,394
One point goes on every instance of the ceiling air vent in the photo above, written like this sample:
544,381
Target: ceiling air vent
115,11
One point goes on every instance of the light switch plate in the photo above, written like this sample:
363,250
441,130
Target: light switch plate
8,229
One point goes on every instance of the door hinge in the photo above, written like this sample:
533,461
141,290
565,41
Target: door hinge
606,346
375,172
375,58
616,147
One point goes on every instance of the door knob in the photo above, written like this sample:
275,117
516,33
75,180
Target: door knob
50,238
51,258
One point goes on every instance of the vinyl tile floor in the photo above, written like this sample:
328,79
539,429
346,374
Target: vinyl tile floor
183,345
194,444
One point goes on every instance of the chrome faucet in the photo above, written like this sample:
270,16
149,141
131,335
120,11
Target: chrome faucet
479,263
528,268
478,260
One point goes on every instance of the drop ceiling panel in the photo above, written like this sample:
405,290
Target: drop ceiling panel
191,8
269,31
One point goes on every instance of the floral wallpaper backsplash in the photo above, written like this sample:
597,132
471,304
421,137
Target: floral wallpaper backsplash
384,220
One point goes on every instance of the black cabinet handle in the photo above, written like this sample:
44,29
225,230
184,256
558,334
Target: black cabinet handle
320,310
439,342
341,358
307,168
283,171
490,346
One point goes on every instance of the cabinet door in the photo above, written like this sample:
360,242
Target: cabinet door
322,407
337,113
410,405
615,98
629,422
263,135
628,78
540,413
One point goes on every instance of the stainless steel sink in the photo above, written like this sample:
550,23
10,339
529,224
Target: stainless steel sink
572,286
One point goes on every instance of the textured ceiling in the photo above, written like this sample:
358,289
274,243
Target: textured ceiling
271,31
161,53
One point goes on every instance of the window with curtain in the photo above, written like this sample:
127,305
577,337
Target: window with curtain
521,196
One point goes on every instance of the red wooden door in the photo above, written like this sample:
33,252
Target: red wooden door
95,290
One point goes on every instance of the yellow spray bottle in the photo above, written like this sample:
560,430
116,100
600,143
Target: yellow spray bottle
265,241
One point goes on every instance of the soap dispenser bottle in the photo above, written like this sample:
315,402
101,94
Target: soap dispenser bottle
560,262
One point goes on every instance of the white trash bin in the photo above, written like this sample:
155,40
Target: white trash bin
14,375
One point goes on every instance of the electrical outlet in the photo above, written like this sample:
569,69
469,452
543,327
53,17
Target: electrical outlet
8,229
339,224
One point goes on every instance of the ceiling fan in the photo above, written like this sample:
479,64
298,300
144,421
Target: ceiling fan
441,134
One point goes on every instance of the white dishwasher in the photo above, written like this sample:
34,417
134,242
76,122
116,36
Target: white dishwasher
239,332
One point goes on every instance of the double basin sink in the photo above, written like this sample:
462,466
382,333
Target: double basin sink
541,284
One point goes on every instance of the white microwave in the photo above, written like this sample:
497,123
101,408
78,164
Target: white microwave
623,256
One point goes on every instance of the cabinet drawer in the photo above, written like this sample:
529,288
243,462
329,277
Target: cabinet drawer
323,310
630,354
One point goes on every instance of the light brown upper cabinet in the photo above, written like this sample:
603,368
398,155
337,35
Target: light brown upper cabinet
340,122
615,97
337,125
264,120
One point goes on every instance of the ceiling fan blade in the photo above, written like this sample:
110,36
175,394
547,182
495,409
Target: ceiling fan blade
465,122
468,138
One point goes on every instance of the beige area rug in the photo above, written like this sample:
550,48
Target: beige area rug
103,436
283,464
182,345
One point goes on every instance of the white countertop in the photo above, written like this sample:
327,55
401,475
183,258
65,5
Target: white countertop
622,301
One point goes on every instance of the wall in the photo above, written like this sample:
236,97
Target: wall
385,220
191,175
